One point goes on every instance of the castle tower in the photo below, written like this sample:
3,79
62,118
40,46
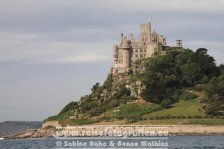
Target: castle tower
162,40
125,52
145,33
122,55
179,43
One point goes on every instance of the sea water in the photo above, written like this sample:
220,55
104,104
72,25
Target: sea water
178,142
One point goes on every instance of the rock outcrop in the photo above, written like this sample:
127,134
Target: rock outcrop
33,133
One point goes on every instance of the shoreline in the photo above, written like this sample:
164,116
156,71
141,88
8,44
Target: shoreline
139,130
120,131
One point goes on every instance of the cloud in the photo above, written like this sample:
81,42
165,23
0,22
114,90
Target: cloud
33,48
53,32
219,45
59,42
78,59
57,15
85,59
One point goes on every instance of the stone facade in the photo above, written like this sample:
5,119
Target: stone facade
129,50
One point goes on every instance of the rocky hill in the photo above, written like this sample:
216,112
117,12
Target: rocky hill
182,86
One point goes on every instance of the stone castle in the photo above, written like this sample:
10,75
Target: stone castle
130,51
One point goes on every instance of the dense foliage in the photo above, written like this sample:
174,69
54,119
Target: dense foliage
215,96
168,76
71,106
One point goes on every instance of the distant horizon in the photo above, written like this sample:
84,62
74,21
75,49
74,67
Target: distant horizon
20,121
53,53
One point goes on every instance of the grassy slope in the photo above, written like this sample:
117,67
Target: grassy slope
131,109
135,109
207,121
181,108
148,110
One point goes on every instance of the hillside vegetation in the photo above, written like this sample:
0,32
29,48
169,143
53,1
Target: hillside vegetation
182,84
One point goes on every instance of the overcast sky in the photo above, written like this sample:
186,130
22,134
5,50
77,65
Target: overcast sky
53,51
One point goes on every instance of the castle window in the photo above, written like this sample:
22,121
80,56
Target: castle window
136,50
136,55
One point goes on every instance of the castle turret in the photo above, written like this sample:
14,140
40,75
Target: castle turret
179,43
155,37
145,33
126,53
132,38
122,55
162,40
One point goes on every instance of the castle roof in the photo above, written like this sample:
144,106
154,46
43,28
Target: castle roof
155,33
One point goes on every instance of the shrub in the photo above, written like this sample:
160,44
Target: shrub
166,103
114,103
71,106
187,96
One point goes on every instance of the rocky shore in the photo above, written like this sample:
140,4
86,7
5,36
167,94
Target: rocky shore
120,130
138,130
33,133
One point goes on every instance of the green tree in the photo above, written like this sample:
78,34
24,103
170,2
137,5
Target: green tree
206,63
215,95
94,88
221,69
108,83
71,106
161,78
